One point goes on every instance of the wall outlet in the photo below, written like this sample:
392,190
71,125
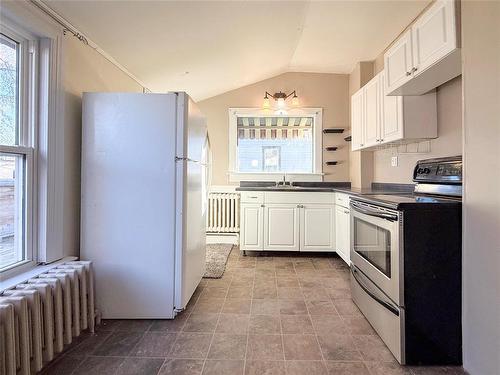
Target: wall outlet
394,161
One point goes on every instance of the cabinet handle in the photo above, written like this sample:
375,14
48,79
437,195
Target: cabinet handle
347,212
382,140
298,206
408,73
252,197
262,205
414,70
361,144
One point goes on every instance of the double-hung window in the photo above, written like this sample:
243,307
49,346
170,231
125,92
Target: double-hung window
266,145
18,72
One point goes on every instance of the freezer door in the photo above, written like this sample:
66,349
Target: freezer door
128,202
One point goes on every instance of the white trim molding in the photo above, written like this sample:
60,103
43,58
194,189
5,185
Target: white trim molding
316,113
69,26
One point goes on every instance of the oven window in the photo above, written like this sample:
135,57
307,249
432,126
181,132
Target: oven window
373,243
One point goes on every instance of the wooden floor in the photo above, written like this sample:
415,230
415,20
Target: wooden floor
267,315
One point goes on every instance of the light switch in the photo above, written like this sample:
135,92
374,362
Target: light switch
394,161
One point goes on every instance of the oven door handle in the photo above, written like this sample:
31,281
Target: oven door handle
385,304
376,213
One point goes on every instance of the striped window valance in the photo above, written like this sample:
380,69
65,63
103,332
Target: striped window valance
274,127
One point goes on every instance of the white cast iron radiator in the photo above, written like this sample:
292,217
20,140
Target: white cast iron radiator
223,215
41,315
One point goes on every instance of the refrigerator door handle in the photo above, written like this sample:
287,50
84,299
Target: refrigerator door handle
178,158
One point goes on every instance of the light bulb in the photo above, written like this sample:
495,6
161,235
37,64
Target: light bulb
266,103
281,103
295,101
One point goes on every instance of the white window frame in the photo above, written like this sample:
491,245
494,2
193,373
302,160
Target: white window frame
28,74
236,176
41,112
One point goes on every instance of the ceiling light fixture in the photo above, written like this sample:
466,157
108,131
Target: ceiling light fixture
280,98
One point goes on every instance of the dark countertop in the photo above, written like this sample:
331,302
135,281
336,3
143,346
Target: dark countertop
341,187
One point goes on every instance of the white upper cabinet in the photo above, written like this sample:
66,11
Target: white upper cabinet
384,119
391,126
398,62
371,112
434,35
427,55
357,128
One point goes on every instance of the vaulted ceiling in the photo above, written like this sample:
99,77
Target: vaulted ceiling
210,47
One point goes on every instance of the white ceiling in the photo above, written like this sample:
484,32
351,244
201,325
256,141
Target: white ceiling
207,47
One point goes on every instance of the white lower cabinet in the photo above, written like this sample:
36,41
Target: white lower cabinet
281,227
342,232
317,227
276,222
252,226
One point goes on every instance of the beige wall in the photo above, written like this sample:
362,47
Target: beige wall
448,143
481,208
83,70
329,91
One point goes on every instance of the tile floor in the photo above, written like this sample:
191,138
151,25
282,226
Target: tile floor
267,315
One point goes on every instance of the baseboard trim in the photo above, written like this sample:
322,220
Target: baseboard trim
231,238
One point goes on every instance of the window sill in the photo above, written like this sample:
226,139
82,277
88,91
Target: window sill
21,273
239,176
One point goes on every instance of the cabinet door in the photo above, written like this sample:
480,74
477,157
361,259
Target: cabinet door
357,131
252,226
343,233
317,228
434,35
372,112
281,227
398,63
391,126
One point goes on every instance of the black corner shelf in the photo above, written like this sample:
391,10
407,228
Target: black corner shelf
331,162
331,148
348,139
333,130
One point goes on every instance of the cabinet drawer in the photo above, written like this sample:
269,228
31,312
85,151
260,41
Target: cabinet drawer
252,197
342,199
300,198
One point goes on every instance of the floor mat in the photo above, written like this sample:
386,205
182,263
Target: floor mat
217,255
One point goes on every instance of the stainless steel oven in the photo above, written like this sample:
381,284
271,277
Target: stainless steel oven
375,246
406,264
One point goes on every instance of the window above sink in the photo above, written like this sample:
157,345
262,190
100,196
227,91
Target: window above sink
265,145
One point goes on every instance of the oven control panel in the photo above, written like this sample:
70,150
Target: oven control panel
439,171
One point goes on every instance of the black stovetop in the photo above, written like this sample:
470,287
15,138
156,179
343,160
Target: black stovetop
407,201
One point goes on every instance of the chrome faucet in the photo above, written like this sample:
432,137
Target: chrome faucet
283,182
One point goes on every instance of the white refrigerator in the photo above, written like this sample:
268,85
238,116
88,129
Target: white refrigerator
143,201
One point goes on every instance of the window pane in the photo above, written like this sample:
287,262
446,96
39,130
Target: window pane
275,145
12,249
9,91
